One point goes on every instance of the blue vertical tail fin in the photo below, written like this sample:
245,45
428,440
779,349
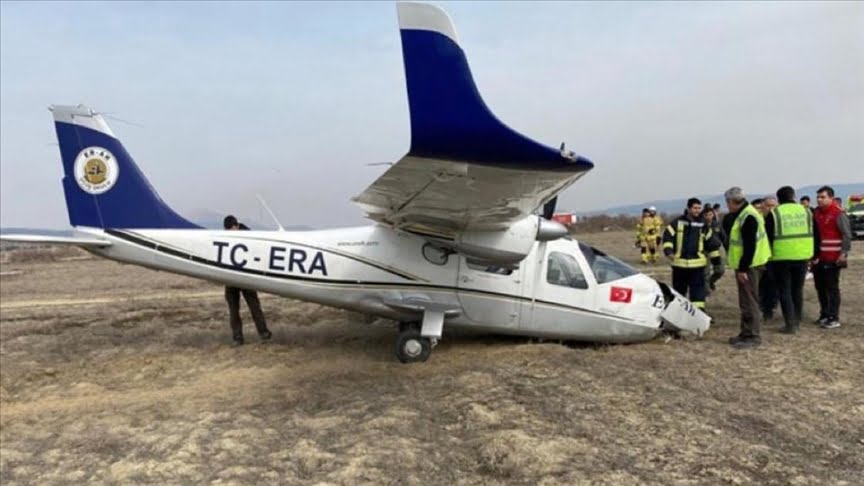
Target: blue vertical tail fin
103,186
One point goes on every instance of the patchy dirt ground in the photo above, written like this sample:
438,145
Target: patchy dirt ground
117,374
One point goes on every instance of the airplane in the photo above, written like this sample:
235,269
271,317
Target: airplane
462,234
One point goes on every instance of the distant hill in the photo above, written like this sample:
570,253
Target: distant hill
670,206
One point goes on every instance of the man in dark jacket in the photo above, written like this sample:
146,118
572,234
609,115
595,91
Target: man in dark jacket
768,298
232,295
689,243
714,272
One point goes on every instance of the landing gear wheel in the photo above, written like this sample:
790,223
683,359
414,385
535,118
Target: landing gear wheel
411,347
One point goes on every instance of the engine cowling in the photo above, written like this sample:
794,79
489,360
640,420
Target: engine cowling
509,246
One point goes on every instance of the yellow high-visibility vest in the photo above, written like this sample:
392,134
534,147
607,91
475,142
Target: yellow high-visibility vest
793,233
736,244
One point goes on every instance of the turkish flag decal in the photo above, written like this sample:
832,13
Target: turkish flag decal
620,294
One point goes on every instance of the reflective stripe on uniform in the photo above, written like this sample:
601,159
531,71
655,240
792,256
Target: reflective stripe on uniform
700,260
689,263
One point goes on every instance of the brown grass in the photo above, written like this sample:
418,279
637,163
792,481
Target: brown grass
26,253
138,389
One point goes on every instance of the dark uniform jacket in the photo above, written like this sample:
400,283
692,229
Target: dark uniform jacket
691,233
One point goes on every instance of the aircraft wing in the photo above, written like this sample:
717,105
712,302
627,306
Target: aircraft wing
465,168
56,240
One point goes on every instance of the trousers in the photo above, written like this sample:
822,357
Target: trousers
692,279
748,303
768,291
789,279
826,277
232,296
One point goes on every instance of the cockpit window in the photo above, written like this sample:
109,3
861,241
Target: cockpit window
562,269
605,268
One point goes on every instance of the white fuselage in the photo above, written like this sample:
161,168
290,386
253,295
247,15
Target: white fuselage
380,271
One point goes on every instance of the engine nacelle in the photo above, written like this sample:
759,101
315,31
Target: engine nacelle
509,246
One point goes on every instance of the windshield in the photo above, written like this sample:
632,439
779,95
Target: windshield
605,268
856,207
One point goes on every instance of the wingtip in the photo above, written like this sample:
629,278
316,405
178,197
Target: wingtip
424,16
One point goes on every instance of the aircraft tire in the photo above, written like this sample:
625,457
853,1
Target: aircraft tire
411,347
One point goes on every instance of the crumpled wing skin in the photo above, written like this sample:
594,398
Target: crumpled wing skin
443,197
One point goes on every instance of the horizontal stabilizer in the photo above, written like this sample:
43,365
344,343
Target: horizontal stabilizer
55,240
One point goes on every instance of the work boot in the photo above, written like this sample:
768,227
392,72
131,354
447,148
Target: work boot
791,330
820,321
237,341
748,343
736,339
266,336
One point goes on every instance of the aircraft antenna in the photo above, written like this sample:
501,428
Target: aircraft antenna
267,208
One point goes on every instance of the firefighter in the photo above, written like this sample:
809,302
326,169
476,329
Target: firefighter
689,243
232,296
646,236
658,226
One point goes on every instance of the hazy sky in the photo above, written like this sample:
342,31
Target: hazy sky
293,100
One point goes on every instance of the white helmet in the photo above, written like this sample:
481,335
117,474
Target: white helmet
652,209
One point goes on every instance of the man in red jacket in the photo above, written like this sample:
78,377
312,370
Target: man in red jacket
833,240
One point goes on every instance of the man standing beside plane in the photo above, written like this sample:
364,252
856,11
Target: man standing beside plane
232,295
833,235
748,253
686,242
789,227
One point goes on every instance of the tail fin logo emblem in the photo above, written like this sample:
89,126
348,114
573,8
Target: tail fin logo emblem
95,170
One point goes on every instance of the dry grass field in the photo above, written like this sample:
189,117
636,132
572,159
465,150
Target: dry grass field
117,374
